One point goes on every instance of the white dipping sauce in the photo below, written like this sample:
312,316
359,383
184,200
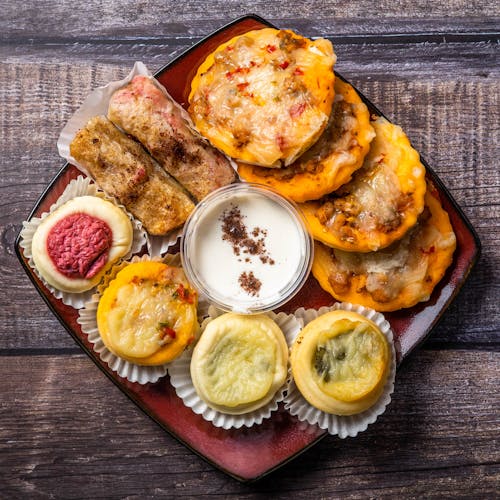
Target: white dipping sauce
278,268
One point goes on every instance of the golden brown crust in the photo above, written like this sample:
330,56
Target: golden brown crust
125,171
331,161
398,276
144,111
380,203
265,96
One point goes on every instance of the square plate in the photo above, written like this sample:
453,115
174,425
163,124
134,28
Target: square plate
248,454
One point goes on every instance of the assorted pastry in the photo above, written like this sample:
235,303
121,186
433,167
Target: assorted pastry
340,362
269,100
239,363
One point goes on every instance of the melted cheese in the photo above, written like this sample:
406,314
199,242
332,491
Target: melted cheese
380,203
147,314
331,161
398,276
264,97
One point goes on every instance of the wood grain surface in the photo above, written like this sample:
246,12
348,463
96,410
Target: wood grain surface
433,68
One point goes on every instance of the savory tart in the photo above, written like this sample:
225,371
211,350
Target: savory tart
78,242
331,161
239,363
398,276
147,315
124,170
147,113
340,362
381,202
264,97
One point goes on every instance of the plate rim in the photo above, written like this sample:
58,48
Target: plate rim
115,379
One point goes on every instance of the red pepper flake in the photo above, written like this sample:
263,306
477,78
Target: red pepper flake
166,331
184,294
270,48
297,109
242,86
229,75
280,141
229,48
284,65
428,251
297,71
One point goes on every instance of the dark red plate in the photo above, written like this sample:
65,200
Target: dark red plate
248,454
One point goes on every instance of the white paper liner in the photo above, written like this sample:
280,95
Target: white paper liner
180,378
81,186
97,103
351,425
87,320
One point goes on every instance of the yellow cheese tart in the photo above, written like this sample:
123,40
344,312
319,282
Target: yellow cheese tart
264,97
147,314
340,362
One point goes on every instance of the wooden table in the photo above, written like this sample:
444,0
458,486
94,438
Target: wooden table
433,68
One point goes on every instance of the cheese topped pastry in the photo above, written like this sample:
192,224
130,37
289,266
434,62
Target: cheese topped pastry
239,363
340,362
264,97
331,161
380,203
147,315
398,276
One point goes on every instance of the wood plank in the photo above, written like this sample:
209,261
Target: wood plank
453,124
66,431
36,20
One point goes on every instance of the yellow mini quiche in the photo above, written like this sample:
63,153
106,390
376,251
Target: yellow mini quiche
77,243
239,363
331,161
147,315
398,276
340,362
264,97
381,202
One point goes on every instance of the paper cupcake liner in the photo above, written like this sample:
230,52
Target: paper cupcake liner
341,425
180,378
81,186
97,103
87,320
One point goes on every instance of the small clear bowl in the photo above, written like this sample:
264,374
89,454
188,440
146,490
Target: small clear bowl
246,248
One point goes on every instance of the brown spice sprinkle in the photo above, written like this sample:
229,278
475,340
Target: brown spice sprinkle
249,283
235,232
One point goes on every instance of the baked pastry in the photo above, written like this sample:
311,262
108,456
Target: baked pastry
144,111
264,97
340,362
380,203
331,161
398,276
124,170
78,242
147,315
239,363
